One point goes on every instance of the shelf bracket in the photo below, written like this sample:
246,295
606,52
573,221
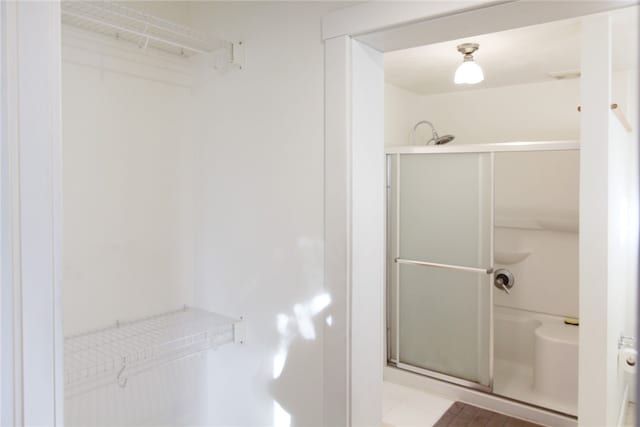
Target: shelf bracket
239,332
237,54
122,381
146,32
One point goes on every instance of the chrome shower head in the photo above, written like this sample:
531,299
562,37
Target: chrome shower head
435,139
443,139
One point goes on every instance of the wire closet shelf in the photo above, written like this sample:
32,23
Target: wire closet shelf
144,30
112,355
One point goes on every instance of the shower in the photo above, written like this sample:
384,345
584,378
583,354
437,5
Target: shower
435,139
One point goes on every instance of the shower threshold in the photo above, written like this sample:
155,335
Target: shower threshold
486,399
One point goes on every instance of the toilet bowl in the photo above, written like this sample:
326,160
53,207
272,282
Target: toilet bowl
555,370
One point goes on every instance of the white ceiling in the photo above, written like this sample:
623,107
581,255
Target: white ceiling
523,55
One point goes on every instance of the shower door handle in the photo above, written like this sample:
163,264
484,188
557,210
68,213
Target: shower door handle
447,266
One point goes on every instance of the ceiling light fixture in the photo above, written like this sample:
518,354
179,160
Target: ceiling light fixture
468,72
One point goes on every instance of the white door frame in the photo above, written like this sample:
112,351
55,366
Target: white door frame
410,24
30,215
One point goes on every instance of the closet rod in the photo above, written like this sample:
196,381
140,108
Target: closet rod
619,114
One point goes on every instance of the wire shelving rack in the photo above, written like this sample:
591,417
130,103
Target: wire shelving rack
93,359
134,26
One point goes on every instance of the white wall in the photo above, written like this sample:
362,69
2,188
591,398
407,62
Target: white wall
128,210
127,178
539,190
536,111
128,245
260,203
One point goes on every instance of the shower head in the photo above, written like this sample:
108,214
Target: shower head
435,139
443,139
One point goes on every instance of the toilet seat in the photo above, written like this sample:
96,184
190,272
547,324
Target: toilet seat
560,333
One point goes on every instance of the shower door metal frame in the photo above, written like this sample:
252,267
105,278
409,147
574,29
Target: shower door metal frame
396,259
393,258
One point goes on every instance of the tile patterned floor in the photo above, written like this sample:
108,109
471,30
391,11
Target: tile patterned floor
462,414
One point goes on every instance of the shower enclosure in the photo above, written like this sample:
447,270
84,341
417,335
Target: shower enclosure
440,259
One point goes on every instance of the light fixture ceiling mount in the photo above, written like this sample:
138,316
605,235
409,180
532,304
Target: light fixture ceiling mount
468,49
469,72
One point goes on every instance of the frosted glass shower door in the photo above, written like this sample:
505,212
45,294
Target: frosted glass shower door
442,234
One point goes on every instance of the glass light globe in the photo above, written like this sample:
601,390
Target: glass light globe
468,72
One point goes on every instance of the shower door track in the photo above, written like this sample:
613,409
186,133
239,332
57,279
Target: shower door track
442,377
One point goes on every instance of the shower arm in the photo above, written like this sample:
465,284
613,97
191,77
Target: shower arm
434,134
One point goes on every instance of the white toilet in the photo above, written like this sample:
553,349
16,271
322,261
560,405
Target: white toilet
556,362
